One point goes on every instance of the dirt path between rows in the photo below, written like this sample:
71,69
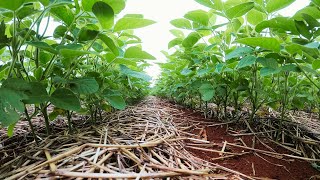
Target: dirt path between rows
152,140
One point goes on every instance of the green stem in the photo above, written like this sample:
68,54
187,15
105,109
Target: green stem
14,46
46,118
30,124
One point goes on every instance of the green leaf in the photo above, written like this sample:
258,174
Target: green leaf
246,61
186,72
65,99
70,53
37,94
263,42
282,23
115,99
64,13
268,62
136,52
11,130
86,34
198,16
10,101
316,64
4,40
191,40
316,2
303,29
42,45
11,4
129,72
275,5
60,31
110,43
266,71
16,84
207,91
255,17
104,14
117,5
177,33
239,52
181,23
310,10
239,10
208,3
84,85
174,42
132,23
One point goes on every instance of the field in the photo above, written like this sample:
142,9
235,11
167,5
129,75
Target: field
238,96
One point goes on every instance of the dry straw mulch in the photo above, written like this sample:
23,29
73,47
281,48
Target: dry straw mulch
138,143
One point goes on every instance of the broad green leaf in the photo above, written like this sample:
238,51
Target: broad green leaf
198,16
263,42
239,10
132,23
283,23
37,94
134,15
70,53
316,64
129,72
42,45
117,5
60,31
208,3
84,85
16,84
310,10
268,62
316,2
10,101
239,52
290,68
174,42
191,40
255,17
246,61
64,13
186,71
177,33
266,71
86,34
125,61
115,99
274,5
181,23
303,29
207,91
311,21
11,4
110,43
104,14
65,99
136,52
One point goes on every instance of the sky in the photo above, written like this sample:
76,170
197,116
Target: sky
156,37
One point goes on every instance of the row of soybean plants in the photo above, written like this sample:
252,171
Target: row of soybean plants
90,62
254,58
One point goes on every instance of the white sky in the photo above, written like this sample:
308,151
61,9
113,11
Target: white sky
156,37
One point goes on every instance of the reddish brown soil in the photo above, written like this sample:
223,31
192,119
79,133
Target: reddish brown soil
256,165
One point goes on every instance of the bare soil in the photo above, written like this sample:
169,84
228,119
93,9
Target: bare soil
253,164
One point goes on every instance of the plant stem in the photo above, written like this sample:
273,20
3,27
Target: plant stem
46,118
30,124
69,115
